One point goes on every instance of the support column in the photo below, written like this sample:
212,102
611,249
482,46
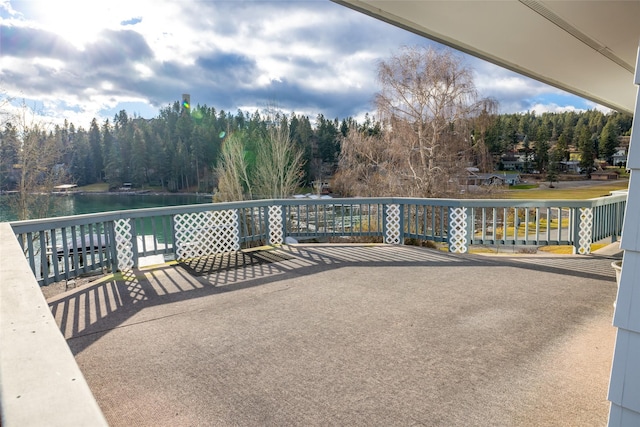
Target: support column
624,386
582,244
392,225
124,244
276,225
457,230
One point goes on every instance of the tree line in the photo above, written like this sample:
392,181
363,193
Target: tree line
177,150
430,124
548,136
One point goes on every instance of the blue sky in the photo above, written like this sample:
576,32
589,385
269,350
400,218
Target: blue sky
79,59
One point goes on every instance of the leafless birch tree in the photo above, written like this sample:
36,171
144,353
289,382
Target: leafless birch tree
426,105
278,162
37,164
233,171
275,173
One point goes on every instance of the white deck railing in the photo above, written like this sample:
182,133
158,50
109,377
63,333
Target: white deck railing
62,248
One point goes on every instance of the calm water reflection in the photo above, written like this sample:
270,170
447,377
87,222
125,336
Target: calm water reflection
92,203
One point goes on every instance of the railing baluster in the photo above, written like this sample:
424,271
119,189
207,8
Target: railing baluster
536,218
134,241
92,247
504,225
138,224
99,228
443,218
44,265
31,253
526,226
154,233
82,249
549,219
165,223
53,255
494,225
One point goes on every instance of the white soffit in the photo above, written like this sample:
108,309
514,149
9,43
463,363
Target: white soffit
587,47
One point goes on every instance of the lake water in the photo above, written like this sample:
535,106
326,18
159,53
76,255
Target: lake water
76,204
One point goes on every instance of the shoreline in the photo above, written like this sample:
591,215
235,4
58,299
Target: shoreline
138,193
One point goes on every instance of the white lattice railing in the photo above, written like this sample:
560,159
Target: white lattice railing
585,233
458,240
206,233
392,225
276,236
124,244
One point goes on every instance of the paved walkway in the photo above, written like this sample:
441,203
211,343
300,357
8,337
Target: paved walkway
349,335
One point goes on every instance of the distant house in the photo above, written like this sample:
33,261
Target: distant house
620,157
476,178
511,162
511,178
569,166
515,161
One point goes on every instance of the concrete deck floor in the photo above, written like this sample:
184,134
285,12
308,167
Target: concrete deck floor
350,335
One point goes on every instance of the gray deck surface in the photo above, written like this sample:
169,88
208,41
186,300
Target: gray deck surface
350,335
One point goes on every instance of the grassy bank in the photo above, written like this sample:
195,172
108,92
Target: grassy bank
94,188
573,193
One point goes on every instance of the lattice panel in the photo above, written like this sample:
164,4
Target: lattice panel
458,242
206,233
275,225
586,225
124,244
392,221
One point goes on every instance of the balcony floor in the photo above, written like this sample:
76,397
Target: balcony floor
349,335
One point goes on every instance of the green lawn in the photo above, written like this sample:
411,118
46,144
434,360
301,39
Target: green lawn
567,193
94,188
523,186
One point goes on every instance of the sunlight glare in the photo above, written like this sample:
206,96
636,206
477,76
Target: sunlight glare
80,21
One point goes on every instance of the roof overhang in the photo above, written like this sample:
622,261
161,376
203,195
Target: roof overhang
585,47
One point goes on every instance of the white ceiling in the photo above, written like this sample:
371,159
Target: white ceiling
587,47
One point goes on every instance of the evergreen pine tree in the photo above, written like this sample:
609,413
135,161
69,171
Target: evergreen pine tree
587,151
608,142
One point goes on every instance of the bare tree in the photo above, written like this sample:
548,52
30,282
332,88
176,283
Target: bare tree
427,103
487,115
276,171
37,165
233,170
5,114
367,165
279,162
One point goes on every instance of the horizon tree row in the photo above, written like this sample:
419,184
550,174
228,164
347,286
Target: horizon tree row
177,150
182,148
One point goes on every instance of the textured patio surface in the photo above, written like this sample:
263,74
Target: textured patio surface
349,335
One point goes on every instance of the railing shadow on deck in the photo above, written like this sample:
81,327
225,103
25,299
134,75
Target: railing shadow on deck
63,248
112,303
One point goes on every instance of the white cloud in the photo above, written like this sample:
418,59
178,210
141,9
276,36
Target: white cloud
553,108
50,63
144,70
593,106
311,57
